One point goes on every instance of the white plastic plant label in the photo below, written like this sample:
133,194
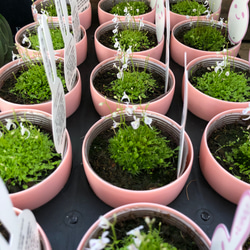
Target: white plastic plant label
22,229
58,98
240,229
153,3
75,20
82,5
167,42
160,19
70,62
181,156
214,5
238,19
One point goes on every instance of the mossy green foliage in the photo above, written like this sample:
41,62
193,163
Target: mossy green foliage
188,8
137,84
141,149
225,85
26,159
56,37
51,9
205,37
33,84
135,8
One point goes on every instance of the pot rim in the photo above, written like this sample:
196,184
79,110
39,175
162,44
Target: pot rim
189,159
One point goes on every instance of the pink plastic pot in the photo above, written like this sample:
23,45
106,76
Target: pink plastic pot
115,196
205,106
84,16
218,178
160,104
81,46
103,52
167,215
72,98
177,49
47,189
43,237
104,16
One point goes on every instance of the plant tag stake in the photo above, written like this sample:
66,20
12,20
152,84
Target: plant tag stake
214,5
82,5
75,20
160,20
153,3
167,42
69,44
238,19
22,229
182,155
58,99
240,228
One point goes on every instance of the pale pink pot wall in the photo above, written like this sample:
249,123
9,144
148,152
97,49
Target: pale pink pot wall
44,191
105,16
177,49
72,98
177,18
115,196
43,237
205,106
143,206
219,179
103,52
160,105
81,46
85,16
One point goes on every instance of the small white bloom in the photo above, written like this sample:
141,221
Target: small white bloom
125,97
26,40
125,10
9,124
194,10
137,10
221,21
187,16
15,56
33,6
115,124
120,74
115,19
117,44
136,123
137,233
114,114
227,73
141,24
104,223
132,247
24,130
98,244
44,12
148,120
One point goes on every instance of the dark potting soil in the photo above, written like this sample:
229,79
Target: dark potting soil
102,83
44,174
106,40
108,170
223,136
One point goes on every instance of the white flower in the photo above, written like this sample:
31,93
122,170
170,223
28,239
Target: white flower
148,120
104,223
137,233
136,123
33,6
125,97
117,44
26,40
9,124
115,19
15,56
125,10
227,73
130,110
137,10
120,73
141,24
44,12
24,130
115,124
98,244
132,247
221,21
194,10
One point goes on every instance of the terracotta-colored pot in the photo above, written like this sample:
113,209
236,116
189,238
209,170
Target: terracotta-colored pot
81,46
115,196
72,98
161,104
103,52
85,16
177,18
43,237
224,183
104,16
177,49
47,189
205,106
136,210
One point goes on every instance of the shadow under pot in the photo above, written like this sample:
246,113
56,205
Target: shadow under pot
104,46
216,84
115,182
179,45
157,99
175,229
105,6
25,49
32,191
224,154
85,16
32,99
